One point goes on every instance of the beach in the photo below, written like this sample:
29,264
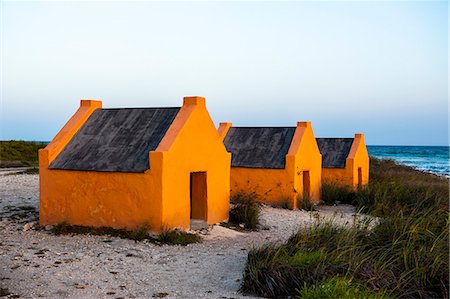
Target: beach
36,263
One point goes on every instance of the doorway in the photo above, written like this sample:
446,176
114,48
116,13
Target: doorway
306,185
359,177
198,200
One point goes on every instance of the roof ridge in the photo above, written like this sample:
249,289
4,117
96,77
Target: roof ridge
125,108
274,127
335,137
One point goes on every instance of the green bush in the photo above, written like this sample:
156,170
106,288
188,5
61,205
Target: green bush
245,210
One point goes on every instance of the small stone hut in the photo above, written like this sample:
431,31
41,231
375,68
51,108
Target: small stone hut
124,167
282,165
345,161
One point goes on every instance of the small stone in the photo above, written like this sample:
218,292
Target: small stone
48,227
27,227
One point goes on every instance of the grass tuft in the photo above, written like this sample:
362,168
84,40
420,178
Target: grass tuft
178,237
245,210
304,203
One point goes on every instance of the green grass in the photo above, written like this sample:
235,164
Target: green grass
339,288
404,253
15,153
245,210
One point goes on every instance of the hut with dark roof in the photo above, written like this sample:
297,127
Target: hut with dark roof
282,165
345,161
121,168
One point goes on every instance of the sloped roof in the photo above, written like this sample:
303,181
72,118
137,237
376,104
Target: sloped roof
334,151
259,147
116,140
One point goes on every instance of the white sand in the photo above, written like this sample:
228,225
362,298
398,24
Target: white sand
39,264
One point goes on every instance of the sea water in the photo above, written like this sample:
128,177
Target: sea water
434,159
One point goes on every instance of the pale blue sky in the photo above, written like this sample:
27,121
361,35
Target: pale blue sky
380,68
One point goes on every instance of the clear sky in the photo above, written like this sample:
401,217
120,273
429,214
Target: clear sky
380,68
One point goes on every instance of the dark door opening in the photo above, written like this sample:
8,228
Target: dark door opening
359,176
306,185
198,196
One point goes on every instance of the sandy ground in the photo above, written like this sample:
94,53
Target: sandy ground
35,263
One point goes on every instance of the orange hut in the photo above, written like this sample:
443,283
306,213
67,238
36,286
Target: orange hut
280,164
345,161
129,166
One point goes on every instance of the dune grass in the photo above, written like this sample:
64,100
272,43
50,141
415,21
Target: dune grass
403,254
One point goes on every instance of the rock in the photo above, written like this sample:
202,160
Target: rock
27,227
48,227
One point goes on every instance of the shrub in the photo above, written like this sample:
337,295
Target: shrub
245,210
178,237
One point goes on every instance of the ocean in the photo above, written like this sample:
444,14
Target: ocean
434,159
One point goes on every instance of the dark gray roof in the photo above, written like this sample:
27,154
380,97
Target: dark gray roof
334,151
259,147
116,140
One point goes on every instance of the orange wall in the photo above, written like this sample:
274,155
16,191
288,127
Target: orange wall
119,200
272,186
160,196
276,186
358,157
